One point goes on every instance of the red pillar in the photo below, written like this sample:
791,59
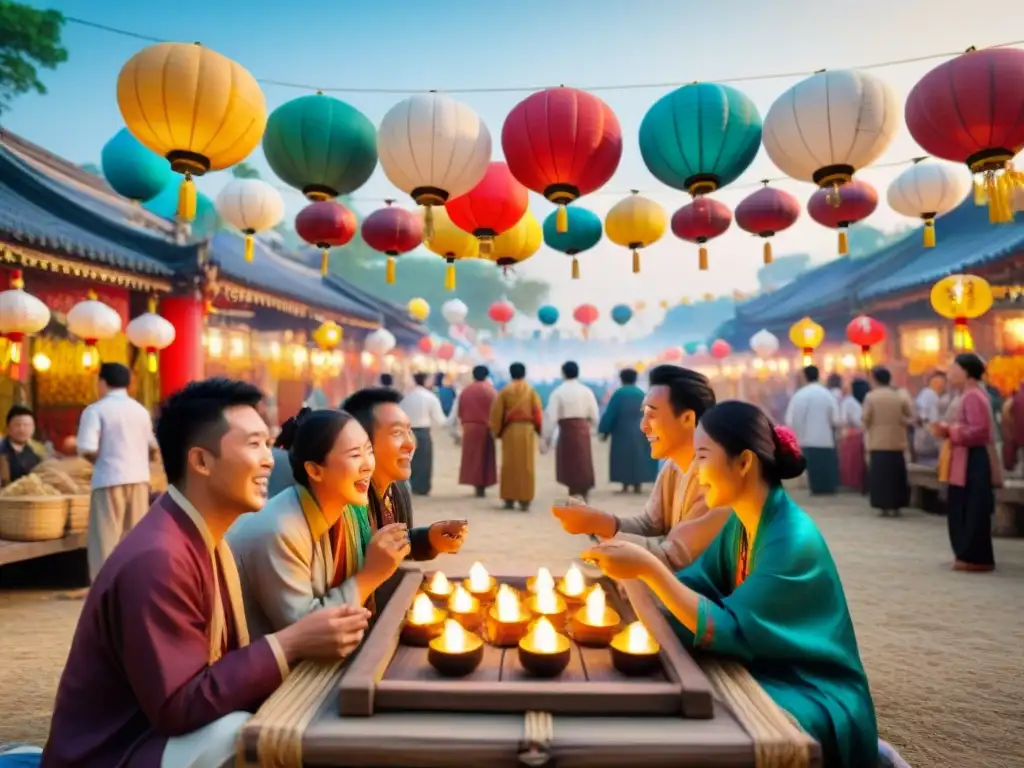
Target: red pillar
182,362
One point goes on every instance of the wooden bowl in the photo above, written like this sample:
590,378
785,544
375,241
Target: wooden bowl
438,599
545,664
487,597
634,664
557,619
471,622
505,634
420,635
594,636
460,664
571,601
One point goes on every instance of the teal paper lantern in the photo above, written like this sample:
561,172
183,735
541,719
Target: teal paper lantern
133,170
621,314
700,137
582,234
165,205
321,146
547,314
691,347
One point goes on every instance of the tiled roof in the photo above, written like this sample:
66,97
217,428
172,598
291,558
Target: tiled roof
396,319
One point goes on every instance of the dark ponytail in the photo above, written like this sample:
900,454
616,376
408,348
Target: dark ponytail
309,436
739,427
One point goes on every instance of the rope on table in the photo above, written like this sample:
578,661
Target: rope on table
538,733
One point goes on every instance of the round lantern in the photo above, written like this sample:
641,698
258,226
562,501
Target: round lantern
494,206
425,345
673,354
454,311
328,335
926,191
702,220
321,146
859,200
501,312
720,349
961,298
450,243
133,170
968,110
519,243
446,351
621,314
586,315
251,206
807,336
635,223
764,344
326,224
420,130
418,309
584,232
392,231
150,333
693,347
21,315
865,332
91,321
579,152
700,137
200,110
767,212
547,315
830,125
379,342
206,222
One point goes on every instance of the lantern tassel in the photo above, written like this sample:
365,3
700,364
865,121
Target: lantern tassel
767,251
636,261
1000,189
151,361
844,243
389,271
575,268
562,219
449,277
702,259
428,223
929,233
324,261
980,195
962,340
486,246
187,199
865,358
250,247
808,358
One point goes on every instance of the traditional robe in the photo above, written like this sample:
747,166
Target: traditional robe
630,461
573,410
161,649
788,622
473,410
516,419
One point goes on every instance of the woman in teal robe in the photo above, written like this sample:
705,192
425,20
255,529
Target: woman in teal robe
766,592
630,461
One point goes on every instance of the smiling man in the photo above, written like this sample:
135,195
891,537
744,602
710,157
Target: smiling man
676,524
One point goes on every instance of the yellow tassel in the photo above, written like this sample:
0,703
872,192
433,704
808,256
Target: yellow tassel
1000,191
151,362
844,243
980,195
702,259
449,277
636,261
486,247
767,251
324,261
865,358
389,271
250,247
187,199
929,234
575,268
151,305
428,223
562,219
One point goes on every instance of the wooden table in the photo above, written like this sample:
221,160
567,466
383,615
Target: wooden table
1008,521
18,551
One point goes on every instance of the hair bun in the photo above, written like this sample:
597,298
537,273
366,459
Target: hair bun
290,428
789,459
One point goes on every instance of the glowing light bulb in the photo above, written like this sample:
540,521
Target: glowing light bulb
508,604
638,638
439,584
462,601
88,358
573,584
545,639
151,362
41,362
422,610
479,578
454,637
543,582
596,604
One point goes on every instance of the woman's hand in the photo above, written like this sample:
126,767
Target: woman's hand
385,552
940,429
621,559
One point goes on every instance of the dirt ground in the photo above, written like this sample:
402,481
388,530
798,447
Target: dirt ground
943,650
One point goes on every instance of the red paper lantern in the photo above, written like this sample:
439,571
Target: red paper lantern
586,315
766,213
393,231
857,201
326,224
425,345
492,207
865,332
501,312
562,143
702,220
720,349
672,354
446,351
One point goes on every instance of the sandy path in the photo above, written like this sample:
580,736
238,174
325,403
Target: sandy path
944,651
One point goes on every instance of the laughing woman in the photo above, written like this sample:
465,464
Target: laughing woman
313,545
766,592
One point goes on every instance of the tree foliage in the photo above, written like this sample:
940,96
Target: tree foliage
30,38
243,170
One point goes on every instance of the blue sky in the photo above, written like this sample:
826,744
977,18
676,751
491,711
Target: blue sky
412,45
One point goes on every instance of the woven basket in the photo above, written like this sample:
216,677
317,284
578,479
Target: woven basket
78,513
33,518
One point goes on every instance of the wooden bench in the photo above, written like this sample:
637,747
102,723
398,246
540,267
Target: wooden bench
925,491
1008,521
19,551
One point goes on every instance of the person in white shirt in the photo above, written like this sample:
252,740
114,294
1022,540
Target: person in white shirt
424,410
116,434
813,415
573,410
931,404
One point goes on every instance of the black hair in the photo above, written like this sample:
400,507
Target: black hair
18,410
361,404
387,380
309,436
420,378
438,379
480,373
973,365
115,375
881,374
627,376
688,390
570,370
811,373
194,417
859,388
517,371
834,381
739,427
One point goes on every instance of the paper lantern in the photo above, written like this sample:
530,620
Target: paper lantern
586,315
547,315
635,223
150,333
519,243
767,212
450,243
968,110
579,152
583,233
425,345
858,201
865,332
393,231
807,336
134,171
764,344
621,314
720,349
199,109
21,315
446,351
251,206
91,321
501,312
433,148
321,146
326,224
702,220
673,354
454,311
961,298
328,335
379,342
926,190
700,137
206,223
419,309
492,207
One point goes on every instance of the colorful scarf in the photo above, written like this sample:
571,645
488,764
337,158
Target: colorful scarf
355,533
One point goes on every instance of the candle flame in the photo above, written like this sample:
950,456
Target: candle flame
543,581
439,584
508,604
638,639
596,604
454,637
573,583
547,602
462,601
479,578
545,639
422,610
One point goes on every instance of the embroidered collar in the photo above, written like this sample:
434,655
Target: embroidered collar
315,519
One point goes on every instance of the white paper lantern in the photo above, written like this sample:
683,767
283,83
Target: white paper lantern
764,343
830,125
926,190
454,311
251,206
151,333
91,321
21,314
380,342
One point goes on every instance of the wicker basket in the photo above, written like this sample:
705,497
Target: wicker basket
78,513
33,518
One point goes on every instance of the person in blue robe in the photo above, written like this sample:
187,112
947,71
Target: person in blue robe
630,461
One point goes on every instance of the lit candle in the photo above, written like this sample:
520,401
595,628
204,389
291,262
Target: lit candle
464,608
423,622
439,589
507,622
595,623
543,652
542,582
549,604
481,584
456,652
634,651
572,586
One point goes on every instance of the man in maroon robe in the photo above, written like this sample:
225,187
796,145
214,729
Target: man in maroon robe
161,671
479,467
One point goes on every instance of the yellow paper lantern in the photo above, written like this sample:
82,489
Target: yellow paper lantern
449,242
635,222
807,336
961,298
519,243
328,335
685,301
199,109
419,309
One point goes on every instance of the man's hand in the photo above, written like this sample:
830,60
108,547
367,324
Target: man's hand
327,634
447,536
385,552
578,518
